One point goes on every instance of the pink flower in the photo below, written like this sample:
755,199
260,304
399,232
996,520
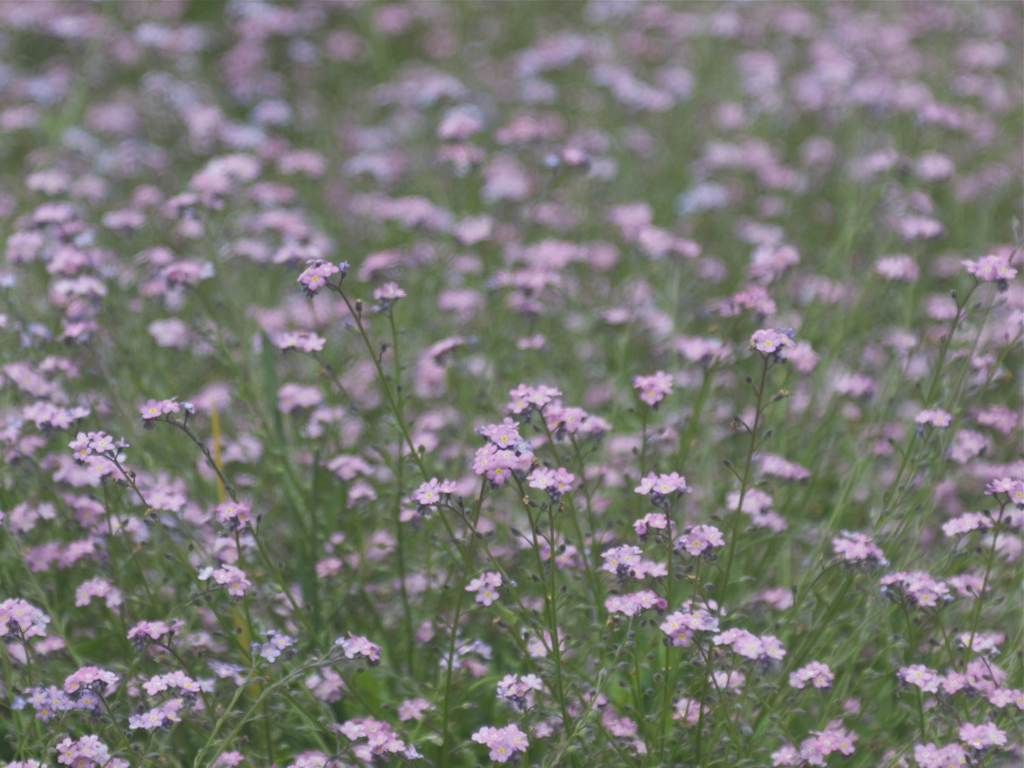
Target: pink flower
653,388
931,756
389,292
992,268
504,435
625,559
503,743
233,515
699,538
89,678
486,587
233,578
314,277
151,409
656,521
818,674
661,487
430,492
776,465
555,482
936,417
19,617
897,268
982,736
676,629
636,603
307,342
354,646
770,342
858,548
515,688
967,522
412,709
276,643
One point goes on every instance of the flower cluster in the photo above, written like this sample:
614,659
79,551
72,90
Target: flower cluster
662,487
976,738
554,481
22,619
917,674
87,752
178,682
277,643
858,549
90,444
770,343
656,522
498,464
98,587
504,435
917,587
354,646
816,673
991,269
687,710
636,603
627,562
154,409
302,341
234,578
504,744
486,587
90,679
980,737
897,268
966,445
1014,489
430,493
981,642
653,388
413,709
742,642
50,700
935,417
315,275
380,740
780,467
681,625
525,400
563,421
967,522
930,756
233,515
700,539
515,688
981,677
815,750
757,504
386,295
146,632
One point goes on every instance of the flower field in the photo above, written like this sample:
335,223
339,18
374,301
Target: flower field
448,384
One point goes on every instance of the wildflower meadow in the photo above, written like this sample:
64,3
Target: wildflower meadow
449,384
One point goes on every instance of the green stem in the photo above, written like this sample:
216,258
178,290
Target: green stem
460,596
980,598
745,483
683,450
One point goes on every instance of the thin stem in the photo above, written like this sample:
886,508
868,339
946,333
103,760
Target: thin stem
745,485
979,599
460,596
